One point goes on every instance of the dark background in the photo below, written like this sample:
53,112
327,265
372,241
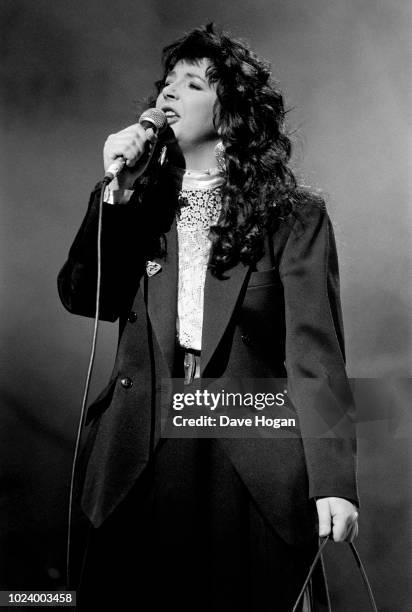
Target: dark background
71,73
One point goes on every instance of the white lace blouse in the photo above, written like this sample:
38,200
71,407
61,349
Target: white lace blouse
200,206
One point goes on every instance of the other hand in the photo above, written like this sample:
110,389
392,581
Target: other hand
339,517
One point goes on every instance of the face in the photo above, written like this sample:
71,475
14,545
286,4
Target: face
187,100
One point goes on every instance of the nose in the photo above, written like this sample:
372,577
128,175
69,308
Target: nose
170,91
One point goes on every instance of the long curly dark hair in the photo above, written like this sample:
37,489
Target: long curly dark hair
260,188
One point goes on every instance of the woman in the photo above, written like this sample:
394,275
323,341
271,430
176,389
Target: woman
217,264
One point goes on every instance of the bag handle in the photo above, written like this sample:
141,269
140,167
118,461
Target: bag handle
358,562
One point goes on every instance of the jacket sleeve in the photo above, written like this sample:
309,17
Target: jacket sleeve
121,261
315,354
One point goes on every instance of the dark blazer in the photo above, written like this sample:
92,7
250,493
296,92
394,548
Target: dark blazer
281,319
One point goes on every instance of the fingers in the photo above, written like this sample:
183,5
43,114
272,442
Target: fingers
130,143
151,135
345,526
340,515
324,517
340,527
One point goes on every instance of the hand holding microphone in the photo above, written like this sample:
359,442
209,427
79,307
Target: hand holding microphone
127,153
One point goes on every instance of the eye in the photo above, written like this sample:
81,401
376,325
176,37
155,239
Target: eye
194,86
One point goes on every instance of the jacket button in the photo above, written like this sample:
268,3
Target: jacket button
126,382
132,318
245,338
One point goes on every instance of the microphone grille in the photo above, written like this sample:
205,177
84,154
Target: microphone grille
156,117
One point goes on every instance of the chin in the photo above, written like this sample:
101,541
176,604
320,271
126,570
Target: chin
175,130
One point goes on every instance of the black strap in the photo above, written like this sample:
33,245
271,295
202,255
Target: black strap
358,562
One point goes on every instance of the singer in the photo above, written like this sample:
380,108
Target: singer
216,263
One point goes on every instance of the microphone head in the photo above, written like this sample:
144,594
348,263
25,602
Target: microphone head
154,118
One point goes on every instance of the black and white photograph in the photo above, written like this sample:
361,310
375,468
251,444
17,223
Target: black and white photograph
206,370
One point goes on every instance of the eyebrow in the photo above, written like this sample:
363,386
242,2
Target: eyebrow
187,74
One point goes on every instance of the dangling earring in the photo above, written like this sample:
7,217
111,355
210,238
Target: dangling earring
220,156
162,157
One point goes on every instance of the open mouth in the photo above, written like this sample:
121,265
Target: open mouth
170,114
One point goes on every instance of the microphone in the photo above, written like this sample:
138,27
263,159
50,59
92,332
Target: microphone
153,118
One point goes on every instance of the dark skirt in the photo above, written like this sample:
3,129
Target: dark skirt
189,536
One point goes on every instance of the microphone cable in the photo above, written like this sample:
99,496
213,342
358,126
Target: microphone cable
105,182
154,119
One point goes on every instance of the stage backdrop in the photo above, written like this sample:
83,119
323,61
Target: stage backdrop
71,74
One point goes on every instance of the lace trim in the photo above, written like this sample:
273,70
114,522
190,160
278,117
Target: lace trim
199,209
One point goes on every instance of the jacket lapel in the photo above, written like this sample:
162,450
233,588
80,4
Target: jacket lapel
161,298
220,298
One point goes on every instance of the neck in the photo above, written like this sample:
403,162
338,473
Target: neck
199,157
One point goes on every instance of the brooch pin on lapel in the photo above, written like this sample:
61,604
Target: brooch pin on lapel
152,267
